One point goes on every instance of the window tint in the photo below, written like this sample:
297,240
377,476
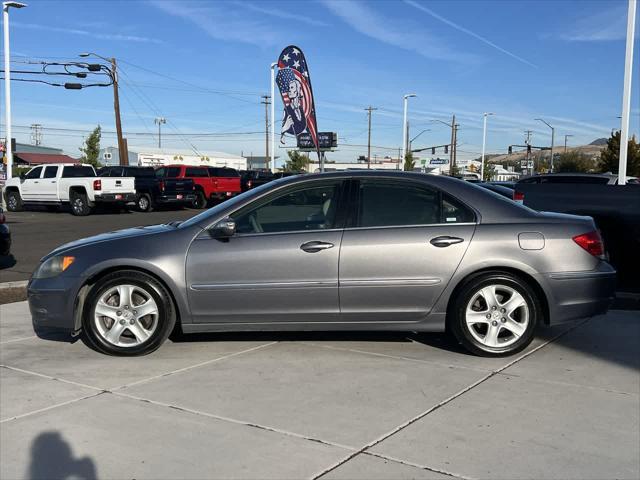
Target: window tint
388,203
575,179
50,172
529,180
140,172
35,173
76,171
303,208
168,172
223,172
196,172
114,172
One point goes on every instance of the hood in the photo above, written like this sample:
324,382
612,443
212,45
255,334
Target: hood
115,235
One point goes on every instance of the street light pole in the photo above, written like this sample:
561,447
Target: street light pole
565,142
411,141
553,137
484,142
159,121
273,119
404,124
7,83
626,94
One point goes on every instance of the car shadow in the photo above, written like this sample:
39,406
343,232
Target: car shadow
52,457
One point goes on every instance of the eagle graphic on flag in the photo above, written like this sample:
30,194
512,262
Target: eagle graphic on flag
294,84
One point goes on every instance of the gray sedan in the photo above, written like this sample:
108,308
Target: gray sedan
358,250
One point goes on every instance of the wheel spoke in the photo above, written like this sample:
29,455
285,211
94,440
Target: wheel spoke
476,317
514,327
124,292
105,310
139,331
489,294
491,338
147,308
114,333
516,301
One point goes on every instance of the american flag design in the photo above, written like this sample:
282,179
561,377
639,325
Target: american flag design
295,88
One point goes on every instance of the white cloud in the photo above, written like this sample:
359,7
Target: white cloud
467,31
603,26
368,22
87,33
273,12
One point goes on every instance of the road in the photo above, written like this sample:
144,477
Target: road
36,233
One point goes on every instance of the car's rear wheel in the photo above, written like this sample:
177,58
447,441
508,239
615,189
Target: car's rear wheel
200,201
495,314
79,204
128,313
14,201
144,203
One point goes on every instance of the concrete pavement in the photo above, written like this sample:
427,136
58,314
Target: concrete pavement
338,406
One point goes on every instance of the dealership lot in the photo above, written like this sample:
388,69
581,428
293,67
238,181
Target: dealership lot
331,405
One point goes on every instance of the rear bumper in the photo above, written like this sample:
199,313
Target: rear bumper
575,295
186,198
223,195
115,198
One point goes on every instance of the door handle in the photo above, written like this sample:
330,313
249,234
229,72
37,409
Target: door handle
315,246
445,241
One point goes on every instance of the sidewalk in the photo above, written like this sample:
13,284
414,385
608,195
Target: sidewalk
361,405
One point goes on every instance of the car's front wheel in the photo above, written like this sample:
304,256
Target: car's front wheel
14,201
495,314
128,313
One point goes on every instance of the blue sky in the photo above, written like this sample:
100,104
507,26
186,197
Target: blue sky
204,65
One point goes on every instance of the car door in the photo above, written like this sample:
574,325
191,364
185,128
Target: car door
30,186
280,266
403,243
49,184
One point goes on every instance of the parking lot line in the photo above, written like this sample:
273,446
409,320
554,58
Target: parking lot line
18,339
49,377
51,407
404,425
416,465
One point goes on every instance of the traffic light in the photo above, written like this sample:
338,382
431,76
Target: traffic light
528,148
433,150
446,149
510,149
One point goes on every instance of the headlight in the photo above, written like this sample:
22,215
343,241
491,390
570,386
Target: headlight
53,266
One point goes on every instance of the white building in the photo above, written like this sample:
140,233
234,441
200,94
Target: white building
155,157
501,174
380,164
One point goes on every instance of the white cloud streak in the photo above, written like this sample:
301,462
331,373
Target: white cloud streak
467,31
602,26
272,12
87,33
368,22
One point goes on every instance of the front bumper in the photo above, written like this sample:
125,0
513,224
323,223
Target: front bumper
115,198
177,198
52,304
573,295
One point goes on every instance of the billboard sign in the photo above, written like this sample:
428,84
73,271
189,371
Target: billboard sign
326,141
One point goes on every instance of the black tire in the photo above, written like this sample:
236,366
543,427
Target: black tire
79,204
14,201
144,203
166,318
200,202
456,317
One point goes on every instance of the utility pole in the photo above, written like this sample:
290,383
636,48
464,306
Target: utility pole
528,157
565,142
36,134
369,110
123,155
159,121
266,100
273,116
455,146
452,150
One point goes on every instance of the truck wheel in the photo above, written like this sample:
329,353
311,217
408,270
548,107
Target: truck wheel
200,202
144,203
14,201
79,204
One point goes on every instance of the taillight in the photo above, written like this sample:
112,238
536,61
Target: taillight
591,242
518,196
249,184
97,185
2,218
161,185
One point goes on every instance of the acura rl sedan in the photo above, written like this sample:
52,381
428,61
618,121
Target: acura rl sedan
356,250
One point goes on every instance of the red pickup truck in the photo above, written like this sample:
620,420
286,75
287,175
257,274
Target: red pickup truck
211,183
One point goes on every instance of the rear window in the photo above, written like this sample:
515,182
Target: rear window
575,179
223,172
75,171
145,172
196,172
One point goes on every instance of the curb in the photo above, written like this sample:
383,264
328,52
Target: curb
7,285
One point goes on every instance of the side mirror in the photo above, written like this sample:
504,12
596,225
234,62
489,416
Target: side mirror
23,176
225,228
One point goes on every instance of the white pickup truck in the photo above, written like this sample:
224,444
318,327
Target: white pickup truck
61,183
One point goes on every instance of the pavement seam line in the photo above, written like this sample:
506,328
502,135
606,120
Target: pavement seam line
49,377
18,339
51,407
416,465
397,357
190,367
404,425
232,420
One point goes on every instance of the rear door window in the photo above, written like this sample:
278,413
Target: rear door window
223,172
196,172
76,171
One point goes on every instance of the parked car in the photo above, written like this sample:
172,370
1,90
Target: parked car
211,183
582,178
151,190
254,178
5,235
67,183
411,251
507,184
499,189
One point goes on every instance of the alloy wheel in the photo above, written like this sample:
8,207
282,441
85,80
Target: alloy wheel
12,202
126,315
497,316
143,203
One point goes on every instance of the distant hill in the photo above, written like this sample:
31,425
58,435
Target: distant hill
599,141
593,150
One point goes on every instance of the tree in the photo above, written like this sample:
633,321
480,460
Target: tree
297,162
610,156
409,162
574,162
91,148
489,172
